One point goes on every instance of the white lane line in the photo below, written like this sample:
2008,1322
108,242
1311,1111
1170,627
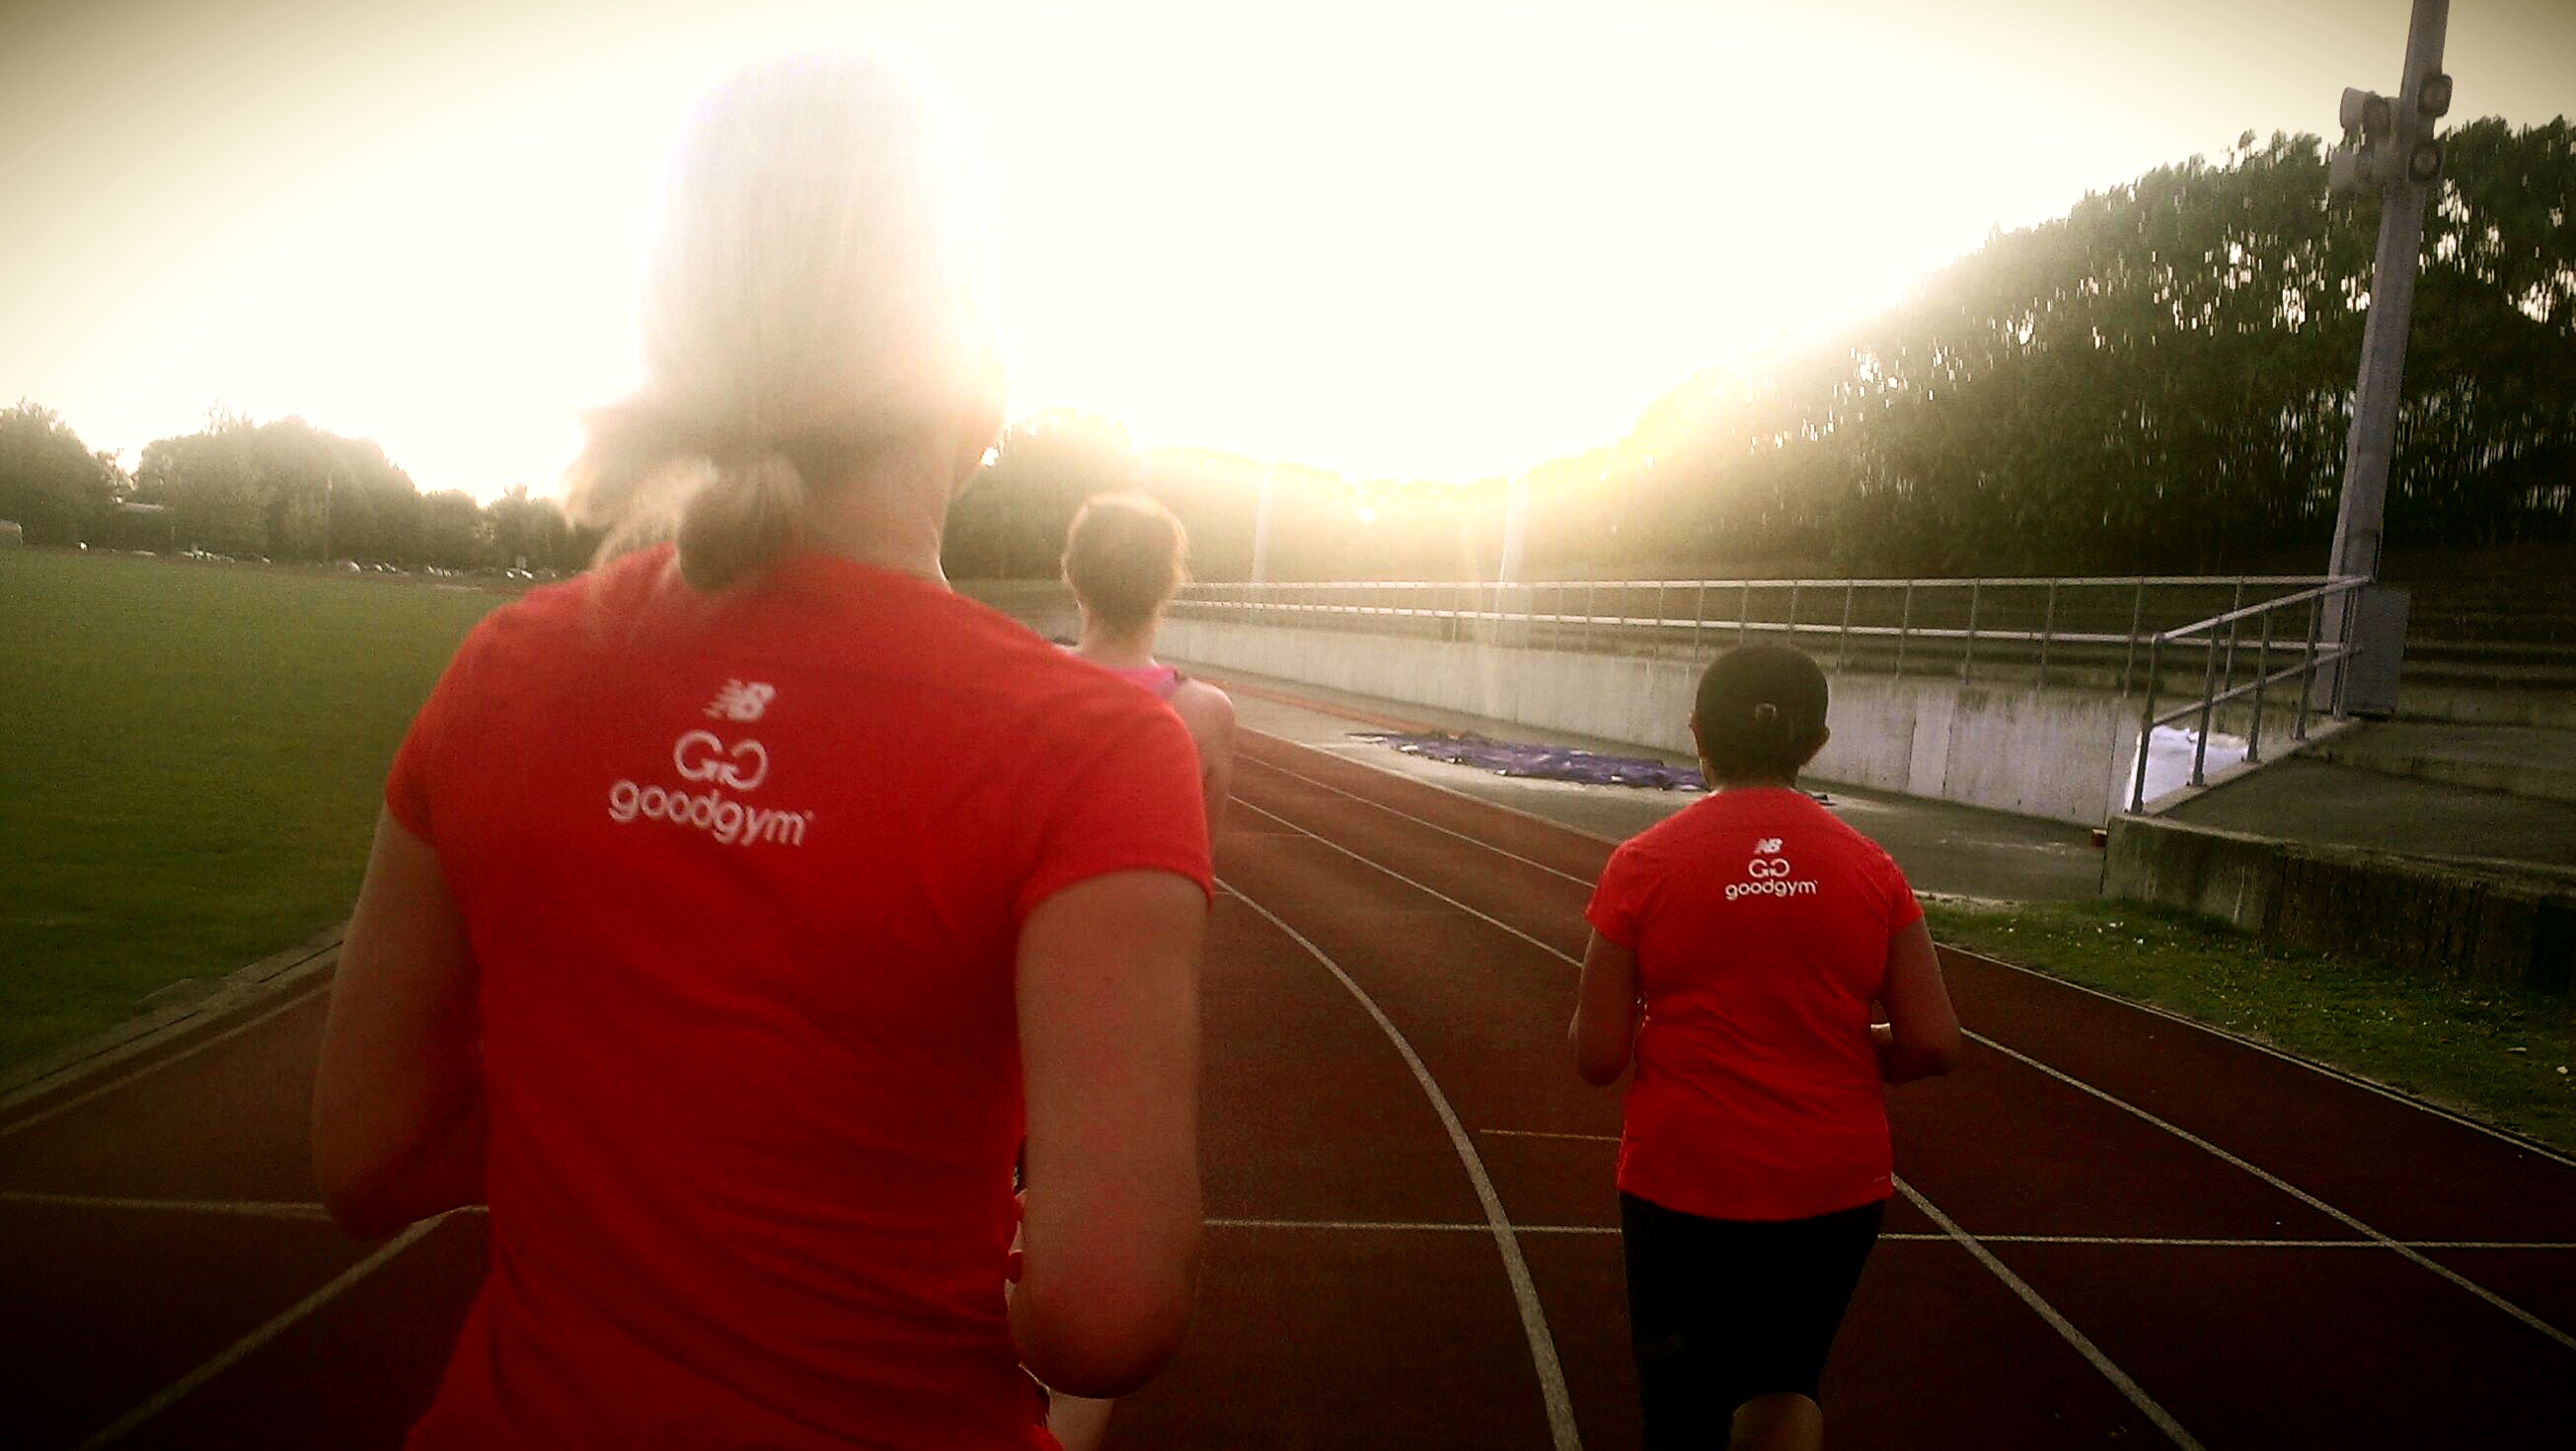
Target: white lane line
2528,1146
1464,1226
1543,1134
1583,882
2387,1241
156,1065
2114,1373
231,1355
244,1208
2356,1080
1542,1344
227,995
2096,1241
1432,892
2295,1192
2084,1346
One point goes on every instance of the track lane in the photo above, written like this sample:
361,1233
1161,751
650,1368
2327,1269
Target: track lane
1489,883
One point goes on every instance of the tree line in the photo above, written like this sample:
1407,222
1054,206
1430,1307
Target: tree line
278,490
2160,380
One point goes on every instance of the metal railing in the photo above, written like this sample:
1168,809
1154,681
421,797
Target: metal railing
2037,622
2219,639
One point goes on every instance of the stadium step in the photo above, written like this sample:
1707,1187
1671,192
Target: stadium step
2525,761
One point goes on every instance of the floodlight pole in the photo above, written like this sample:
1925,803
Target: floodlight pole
1261,524
2373,439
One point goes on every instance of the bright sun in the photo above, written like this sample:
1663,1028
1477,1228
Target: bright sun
1406,238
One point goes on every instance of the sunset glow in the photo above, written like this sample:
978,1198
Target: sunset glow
1423,240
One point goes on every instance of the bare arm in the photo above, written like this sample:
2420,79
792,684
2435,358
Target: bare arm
397,1098
1920,1038
1109,1046
1209,713
1216,760
1604,1030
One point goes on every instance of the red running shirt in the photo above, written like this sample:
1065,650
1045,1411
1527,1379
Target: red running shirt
1760,923
743,877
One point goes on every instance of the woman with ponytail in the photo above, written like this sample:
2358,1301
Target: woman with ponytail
737,911
1740,952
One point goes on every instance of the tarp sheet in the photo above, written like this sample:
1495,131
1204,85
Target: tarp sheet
1542,762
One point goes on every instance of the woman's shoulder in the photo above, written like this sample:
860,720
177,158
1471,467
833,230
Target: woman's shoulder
1195,701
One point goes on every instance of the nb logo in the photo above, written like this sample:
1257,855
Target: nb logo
1766,846
742,700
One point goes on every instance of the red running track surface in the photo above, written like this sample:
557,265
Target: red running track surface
2119,1229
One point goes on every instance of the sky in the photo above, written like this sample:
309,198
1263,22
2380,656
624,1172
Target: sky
1393,239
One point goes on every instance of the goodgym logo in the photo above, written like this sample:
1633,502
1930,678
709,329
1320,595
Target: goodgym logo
722,766
1767,875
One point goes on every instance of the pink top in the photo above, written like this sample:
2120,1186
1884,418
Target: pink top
1163,680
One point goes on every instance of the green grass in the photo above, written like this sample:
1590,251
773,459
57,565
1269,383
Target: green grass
191,768
2506,1056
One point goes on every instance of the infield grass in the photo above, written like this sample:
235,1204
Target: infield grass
191,767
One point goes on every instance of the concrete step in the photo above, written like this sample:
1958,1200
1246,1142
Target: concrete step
2516,760
2300,799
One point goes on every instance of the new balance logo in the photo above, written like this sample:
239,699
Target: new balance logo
742,700
1766,846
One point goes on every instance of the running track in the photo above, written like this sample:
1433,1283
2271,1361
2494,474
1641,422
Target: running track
2116,1229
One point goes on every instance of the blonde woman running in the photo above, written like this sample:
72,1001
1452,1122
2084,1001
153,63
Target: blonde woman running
736,912
1124,556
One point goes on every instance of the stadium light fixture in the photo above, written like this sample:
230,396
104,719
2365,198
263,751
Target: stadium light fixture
2433,96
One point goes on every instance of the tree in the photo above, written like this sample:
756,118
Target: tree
50,484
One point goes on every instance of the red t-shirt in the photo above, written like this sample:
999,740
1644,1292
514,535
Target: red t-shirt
1760,923
743,877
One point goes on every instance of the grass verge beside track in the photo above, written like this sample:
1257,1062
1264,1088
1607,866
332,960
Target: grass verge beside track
2505,1056
192,766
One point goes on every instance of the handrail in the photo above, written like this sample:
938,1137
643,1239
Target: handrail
2034,581
2312,658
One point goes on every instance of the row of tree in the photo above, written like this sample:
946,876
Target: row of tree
279,490
2160,380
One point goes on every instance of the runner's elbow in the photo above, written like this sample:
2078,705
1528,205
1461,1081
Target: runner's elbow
1101,1345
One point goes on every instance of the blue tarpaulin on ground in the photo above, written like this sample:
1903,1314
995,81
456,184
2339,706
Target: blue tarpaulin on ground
1549,763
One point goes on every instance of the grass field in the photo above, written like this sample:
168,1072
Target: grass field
191,767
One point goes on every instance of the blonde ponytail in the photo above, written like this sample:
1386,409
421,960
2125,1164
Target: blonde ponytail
808,318
740,522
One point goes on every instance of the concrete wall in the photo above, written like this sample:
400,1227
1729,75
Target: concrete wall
2058,754
2481,926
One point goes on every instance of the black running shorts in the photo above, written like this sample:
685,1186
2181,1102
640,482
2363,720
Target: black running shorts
1723,1310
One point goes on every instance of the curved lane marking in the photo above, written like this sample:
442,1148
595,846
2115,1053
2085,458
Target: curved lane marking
1542,1344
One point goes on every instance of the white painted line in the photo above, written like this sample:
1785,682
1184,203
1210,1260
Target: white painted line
1475,1226
2507,1306
293,1002
2295,1192
2096,1241
2340,1075
2356,1080
245,1208
1408,881
147,1032
2084,1346
231,1355
1542,1344
1543,1134
1583,882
